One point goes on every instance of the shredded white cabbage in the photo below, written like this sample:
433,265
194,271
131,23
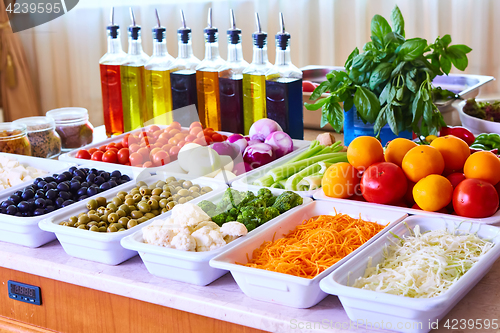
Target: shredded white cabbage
424,265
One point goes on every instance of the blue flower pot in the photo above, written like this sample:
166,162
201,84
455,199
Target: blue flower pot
354,127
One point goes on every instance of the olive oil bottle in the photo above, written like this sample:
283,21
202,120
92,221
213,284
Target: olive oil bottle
284,88
183,72
132,81
254,80
111,88
207,79
157,79
231,82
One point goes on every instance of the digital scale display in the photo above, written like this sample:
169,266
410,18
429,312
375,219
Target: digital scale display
24,292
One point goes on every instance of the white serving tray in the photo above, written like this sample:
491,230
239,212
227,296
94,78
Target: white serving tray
103,247
25,230
190,267
369,306
289,290
45,164
494,219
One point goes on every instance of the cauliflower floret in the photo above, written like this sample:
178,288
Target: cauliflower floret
183,241
232,230
188,215
209,224
208,239
161,232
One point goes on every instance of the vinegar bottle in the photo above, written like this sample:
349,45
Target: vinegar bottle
157,79
231,82
132,78
183,73
284,88
254,80
207,79
111,88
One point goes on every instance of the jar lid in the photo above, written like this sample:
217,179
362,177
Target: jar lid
11,127
37,124
68,115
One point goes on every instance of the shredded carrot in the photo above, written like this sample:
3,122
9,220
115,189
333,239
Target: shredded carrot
314,245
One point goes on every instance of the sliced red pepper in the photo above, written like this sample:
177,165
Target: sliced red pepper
460,132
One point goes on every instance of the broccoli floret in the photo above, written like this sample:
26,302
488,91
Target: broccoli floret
228,200
245,198
267,195
208,207
232,215
220,219
270,213
287,200
258,203
248,215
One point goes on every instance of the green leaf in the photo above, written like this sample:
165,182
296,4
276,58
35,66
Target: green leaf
398,68
410,83
380,74
398,22
393,37
384,95
380,27
321,89
332,114
445,40
417,108
425,94
445,62
391,120
367,104
458,57
461,47
412,49
318,104
428,110
348,103
400,94
351,56
381,121
359,60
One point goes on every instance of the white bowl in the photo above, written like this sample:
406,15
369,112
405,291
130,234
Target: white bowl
103,247
476,125
190,267
399,313
285,289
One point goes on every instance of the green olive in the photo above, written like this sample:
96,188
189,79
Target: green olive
63,223
132,208
102,224
178,188
125,208
81,214
189,198
145,191
170,199
195,194
164,210
92,204
113,217
112,229
170,205
94,228
146,198
134,192
153,204
163,203
131,224
176,197
160,184
149,215
73,219
129,201
116,225
136,214
156,197
206,189
182,200
101,210
122,229
84,219
82,226
108,211
137,197
103,229
69,224
123,220
90,224
101,201
128,196
170,179
155,212
165,194
142,220
117,201
92,211
156,191
122,193
144,207
187,184
121,213
104,217
194,189
112,206
141,183
183,192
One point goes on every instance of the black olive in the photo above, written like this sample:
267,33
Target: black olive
59,202
105,186
85,184
52,194
112,183
19,214
67,174
79,173
67,203
125,178
49,179
41,184
94,171
116,174
40,203
81,191
64,195
83,197
28,194
18,193
90,178
40,194
31,205
12,210
92,191
15,199
48,186
75,186
49,202
77,179
37,181
63,187
23,206
99,180
72,169
49,209
39,211
6,203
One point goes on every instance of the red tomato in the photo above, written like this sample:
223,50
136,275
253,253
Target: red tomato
174,151
112,149
195,130
475,198
217,137
224,137
135,159
195,124
175,124
123,155
409,194
190,138
208,131
148,164
111,145
208,139
119,146
383,183
497,187
455,178
83,154
308,86
125,141
97,155
134,147
110,156
103,148
153,129
92,150
144,153
161,158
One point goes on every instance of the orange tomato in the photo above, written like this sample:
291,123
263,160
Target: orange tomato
397,149
195,130
455,152
340,180
422,161
365,151
433,193
483,165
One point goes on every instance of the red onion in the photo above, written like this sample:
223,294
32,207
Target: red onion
281,142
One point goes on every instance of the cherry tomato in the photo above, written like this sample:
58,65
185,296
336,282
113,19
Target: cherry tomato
103,148
157,133
175,124
164,136
97,156
190,138
110,156
148,164
217,137
153,129
208,131
200,141
409,194
161,158
161,142
174,131
152,152
92,150
144,153
224,137
383,183
112,149
455,178
308,86
208,139
83,154
123,156
179,136
200,134
195,130
134,147
196,124
135,159
475,198
125,140
119,146
181,144
173,141
111,145
174,151
166,147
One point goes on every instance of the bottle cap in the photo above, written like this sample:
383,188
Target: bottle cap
134,30
233,33
259,37
210,32
112,27
184,31
282,37
158,31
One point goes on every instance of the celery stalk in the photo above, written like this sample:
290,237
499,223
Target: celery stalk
285,171
310,183
279,184
265,181
294,180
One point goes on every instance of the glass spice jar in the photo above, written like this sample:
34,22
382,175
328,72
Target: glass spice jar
73,126
44,140
14,139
